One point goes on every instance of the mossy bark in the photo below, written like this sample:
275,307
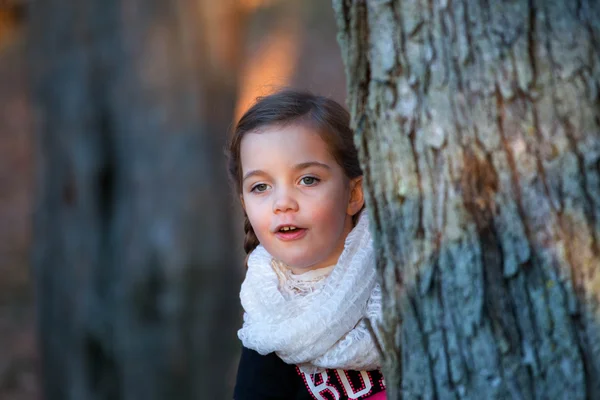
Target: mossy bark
478,126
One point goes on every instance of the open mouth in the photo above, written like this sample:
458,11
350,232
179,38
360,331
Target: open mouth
290,232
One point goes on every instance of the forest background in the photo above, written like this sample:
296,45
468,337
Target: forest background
271,44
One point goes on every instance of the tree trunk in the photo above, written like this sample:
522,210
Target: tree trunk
478,126
134,270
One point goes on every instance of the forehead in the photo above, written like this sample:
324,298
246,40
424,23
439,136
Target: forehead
289,145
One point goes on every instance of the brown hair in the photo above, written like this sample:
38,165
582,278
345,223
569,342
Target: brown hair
325,116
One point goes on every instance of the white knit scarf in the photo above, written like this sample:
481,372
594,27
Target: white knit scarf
324,328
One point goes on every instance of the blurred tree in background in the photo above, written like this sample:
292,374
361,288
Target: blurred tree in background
137,246
478,126
133,262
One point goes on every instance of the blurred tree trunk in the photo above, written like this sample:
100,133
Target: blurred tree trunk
135,275
478,124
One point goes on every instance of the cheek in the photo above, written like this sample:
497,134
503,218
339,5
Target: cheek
257,217
331,211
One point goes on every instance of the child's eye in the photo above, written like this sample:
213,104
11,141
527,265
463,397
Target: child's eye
261,187
309,181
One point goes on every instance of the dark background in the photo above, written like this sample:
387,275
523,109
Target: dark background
286,43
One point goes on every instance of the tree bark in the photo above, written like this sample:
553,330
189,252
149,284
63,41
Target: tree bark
478,128
135,277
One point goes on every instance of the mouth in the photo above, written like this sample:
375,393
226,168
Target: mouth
289,232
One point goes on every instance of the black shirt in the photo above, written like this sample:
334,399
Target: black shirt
269,378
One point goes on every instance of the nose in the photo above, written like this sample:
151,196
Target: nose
284,202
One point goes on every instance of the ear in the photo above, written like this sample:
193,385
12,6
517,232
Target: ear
242,202
357,199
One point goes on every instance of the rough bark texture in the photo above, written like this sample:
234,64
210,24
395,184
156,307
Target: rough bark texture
478,125
135,278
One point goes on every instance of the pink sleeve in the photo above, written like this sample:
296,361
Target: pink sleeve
377,396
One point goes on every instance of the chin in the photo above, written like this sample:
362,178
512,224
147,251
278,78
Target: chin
296,264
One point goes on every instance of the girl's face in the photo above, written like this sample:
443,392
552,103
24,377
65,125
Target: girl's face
297,198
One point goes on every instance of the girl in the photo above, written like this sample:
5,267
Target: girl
310,284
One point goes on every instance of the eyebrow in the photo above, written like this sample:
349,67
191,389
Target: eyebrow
296,167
